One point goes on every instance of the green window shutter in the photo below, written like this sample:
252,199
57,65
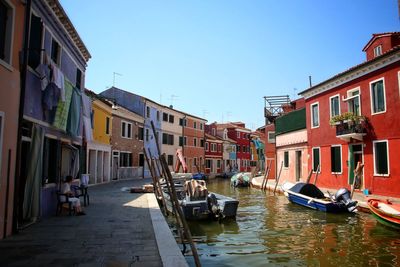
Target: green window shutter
316,159
336,164
286,159
381,158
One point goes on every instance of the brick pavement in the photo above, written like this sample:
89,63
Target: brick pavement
117,231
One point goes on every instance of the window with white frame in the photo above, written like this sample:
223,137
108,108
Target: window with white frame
316,159
125,159
286,159
238,135
168,139
195,142
353,101
201,126
213,148
195,125
381,157
336,159
219,148
140,133
206,146
108,125
218,164
378,51
213,131
315,115
126,129
271,137
378,100
334,105
6,30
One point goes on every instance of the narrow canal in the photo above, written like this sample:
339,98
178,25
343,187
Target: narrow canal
271,231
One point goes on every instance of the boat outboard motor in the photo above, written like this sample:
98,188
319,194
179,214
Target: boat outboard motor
213,204
343,196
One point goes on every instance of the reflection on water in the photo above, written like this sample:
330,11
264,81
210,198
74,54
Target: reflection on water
271,231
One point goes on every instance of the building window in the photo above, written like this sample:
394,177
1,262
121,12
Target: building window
208,164
286,159
213,131
167,139
194,125
206,146
271,137
336,159
140,133
335,105
219,148
148,112
125,159
158,115
6,31
378,51
35,41
195,162
107,125
213,148
381,158
1,134
315,115
126,129
141,160
316,163
147,135
165,117
353,101
218,164
195,142
237,148
201,142
78,83
170,160
171,118
55,52
378,101
201,126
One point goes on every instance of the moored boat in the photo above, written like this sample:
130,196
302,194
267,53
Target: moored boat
311,196
385,212
241,179
199,204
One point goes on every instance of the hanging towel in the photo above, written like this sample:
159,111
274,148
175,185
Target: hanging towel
61,118
44,75
74,116
87,110
59,80
31,204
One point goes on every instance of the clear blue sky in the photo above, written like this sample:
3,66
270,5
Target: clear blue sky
221,57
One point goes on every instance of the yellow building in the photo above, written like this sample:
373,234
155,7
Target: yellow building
98,156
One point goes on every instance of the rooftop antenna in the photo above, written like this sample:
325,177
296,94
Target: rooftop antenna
205,112
309,78
228,114
115,73
173,97
294,93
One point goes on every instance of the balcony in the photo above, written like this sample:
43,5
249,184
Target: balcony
350,126
351,130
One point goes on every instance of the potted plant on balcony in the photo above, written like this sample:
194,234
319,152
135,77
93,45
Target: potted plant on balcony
348,117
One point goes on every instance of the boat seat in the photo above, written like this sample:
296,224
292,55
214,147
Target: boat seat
387,209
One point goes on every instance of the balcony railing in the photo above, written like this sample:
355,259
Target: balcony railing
351,129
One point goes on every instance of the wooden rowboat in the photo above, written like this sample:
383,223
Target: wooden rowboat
385,212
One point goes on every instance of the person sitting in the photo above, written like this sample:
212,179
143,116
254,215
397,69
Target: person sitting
66,189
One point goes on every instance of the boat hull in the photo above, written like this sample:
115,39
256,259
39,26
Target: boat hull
316,204
384,217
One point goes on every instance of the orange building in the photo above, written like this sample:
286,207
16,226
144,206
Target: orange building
10,46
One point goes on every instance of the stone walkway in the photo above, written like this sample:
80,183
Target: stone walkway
120,229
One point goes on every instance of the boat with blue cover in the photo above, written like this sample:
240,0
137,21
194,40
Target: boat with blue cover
310,196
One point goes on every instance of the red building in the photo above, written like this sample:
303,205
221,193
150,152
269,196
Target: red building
238,132
352,117
213,154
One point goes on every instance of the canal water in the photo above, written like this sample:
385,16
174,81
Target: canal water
270,231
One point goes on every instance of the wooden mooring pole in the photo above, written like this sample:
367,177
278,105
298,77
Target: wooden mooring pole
279,176
174,199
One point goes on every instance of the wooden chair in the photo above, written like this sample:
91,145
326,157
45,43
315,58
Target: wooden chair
81,191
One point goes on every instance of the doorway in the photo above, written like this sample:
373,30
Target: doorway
298,166
355,156
115,165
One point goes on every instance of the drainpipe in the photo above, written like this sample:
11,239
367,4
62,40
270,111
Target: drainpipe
24,69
